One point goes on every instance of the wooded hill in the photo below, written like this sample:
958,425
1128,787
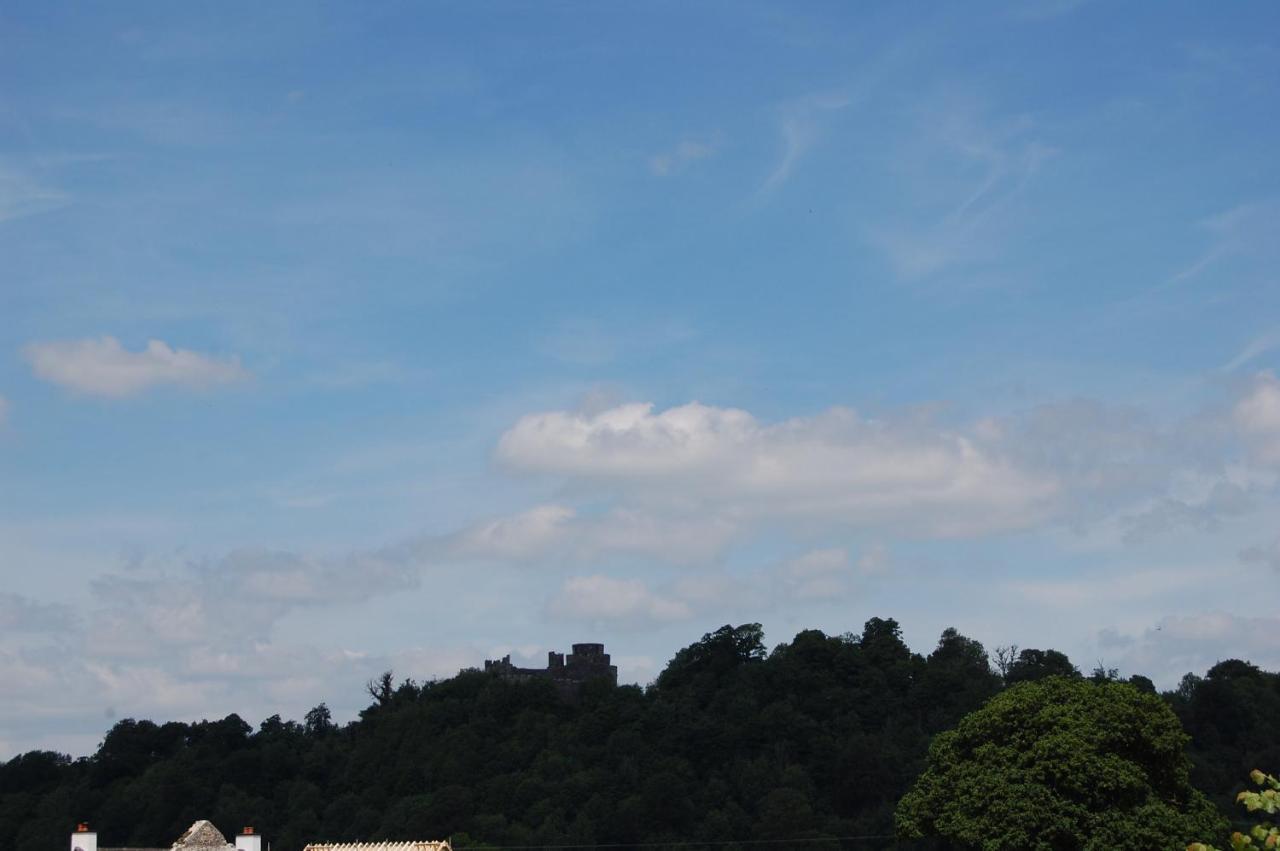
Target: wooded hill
818,738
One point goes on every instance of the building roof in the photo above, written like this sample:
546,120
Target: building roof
202,836
440,845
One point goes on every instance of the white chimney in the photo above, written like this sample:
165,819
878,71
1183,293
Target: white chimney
246,841
85,839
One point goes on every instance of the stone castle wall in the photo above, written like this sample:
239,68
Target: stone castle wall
586,662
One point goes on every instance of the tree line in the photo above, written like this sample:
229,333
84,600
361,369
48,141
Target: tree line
816,739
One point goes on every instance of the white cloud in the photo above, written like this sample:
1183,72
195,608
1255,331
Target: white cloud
562,532
829,574
192,640
685,153
4,410
518,536
22,614
1224,500
1257,415
1132,587
836,467
818,575
1268,555
103,367
640,670
621,601
155,612
1178,644
1121,472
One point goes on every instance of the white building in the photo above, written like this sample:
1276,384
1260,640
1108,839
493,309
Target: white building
201,836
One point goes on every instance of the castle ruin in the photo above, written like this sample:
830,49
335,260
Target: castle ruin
567,673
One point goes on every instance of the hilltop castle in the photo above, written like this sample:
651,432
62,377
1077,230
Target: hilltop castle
586,662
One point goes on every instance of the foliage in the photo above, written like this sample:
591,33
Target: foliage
1060,763
1231,715
1032,665
1268,801
818,738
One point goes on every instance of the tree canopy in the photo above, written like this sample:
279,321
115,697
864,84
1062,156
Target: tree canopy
1061,763
818,738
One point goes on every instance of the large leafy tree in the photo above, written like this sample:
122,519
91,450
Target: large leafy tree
1061,764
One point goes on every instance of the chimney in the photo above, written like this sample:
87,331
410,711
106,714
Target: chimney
84,839
248,841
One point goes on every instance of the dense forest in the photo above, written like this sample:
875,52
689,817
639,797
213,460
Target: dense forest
819,737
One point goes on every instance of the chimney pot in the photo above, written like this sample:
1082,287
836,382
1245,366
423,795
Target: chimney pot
84,839
248,840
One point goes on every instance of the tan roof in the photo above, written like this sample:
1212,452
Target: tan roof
202,836
441,845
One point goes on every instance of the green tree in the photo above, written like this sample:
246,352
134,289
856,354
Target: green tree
718,654
1267,801
1032,665
1057,765
957,679
318,721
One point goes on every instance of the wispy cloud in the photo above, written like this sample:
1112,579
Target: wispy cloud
680,157
800,125
103,367
1256,348
975,167
21,195
1241,230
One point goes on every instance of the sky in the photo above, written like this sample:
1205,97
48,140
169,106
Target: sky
337,338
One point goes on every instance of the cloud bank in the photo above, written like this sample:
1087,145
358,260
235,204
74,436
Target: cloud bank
835,467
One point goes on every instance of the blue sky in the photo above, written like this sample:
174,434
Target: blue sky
338,339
